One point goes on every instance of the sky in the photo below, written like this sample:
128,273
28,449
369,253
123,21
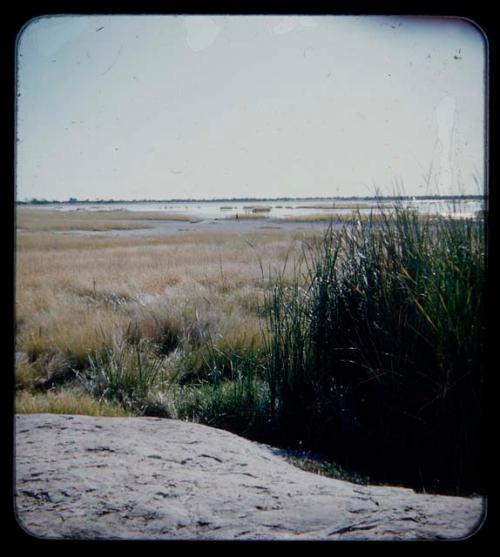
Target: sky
175,107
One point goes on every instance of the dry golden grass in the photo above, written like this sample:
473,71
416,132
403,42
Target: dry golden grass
37,220
26,375
66,401
76,295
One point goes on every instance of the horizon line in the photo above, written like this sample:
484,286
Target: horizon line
74,200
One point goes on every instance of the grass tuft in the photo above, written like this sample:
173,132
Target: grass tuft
66,401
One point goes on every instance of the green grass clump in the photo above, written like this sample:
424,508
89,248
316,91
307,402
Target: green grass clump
239,405
317,465
376,352
228,389
125,374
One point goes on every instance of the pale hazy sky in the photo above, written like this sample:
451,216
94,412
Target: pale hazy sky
248,106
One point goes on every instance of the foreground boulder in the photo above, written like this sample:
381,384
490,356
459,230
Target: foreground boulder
147,478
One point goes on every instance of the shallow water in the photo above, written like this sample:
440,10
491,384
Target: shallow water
277,209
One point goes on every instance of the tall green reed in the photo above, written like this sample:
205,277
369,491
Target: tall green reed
375,350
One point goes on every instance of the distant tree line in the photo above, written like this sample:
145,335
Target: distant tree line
72,200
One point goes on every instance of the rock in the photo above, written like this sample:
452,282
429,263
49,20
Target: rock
86,477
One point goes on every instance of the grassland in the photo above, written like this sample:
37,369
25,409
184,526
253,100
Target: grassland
364,344
39,220
82,299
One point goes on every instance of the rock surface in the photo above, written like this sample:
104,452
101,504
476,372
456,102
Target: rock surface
147,478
